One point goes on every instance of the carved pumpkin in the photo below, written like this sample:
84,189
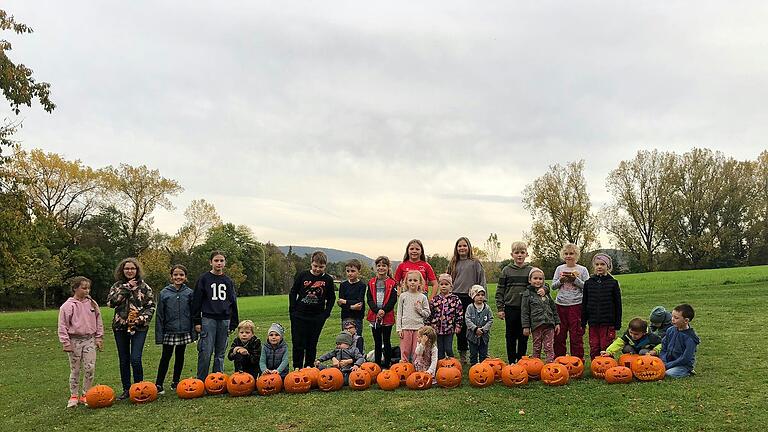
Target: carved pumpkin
496,364
601,364
143,392
554,374
627,359
403,371
574,364
481,375
297,382
451,362
448,377
388,380
269,384
190,388
618,375
312,373
372,368
100,396
419,381
330,379
241,384
359,379
514,375
648,368
532,365
216,383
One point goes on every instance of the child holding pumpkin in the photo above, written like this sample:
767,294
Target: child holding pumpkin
425,355
345,357
678,351
81,333
569,280
412,310
447,313
246,349
478,319
382,297
601,305
274,353
539,314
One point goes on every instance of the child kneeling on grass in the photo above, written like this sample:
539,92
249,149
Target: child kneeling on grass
343,357
636,340
678,351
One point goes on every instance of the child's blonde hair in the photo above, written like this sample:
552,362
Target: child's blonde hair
431,335
570,247
246,324
519,246
421,279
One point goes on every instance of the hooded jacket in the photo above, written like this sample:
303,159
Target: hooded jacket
79,318
174,312
537,311
679,348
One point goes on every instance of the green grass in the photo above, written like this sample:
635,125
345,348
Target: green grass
728,392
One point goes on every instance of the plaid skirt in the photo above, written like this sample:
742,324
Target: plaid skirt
177,339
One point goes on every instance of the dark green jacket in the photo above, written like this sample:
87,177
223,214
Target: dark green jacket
537,310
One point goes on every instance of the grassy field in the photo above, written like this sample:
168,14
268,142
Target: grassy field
729,392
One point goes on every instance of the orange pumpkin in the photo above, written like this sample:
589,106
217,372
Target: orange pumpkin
448,377
388,380
648,368
312,373
190,388
627,359
496,364
554,374
574,364
514,375
359,379
403,371
451,362
601,364
618,375
532,365
269,384
419,381
330,379
241,384
100,396
372,368
216,383
297,382
143,392
481,375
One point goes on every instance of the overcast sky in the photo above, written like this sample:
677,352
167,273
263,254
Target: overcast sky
359,125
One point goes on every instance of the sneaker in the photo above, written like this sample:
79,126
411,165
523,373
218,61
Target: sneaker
72,401
463,357
173,386
123,396
83,401
160,389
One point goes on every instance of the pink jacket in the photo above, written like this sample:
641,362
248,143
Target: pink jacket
79,318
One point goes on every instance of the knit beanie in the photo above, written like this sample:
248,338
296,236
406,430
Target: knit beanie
476,289
534,270
347,322
604,258
660,316
344,337
277,328
445,277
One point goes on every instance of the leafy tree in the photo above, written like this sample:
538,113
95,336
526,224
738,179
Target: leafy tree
756,231
438,262
493,248
201,217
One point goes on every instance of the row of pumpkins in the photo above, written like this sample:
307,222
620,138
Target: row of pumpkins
448,375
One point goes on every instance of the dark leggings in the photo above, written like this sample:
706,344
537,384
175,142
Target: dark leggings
517,344
305,333
461,337
165,359
382,334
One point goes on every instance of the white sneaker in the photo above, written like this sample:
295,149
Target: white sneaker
72,402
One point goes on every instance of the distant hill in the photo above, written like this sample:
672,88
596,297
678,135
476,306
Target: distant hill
334,255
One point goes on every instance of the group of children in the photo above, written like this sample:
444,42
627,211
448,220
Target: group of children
425,321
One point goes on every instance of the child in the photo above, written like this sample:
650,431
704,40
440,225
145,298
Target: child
382,297
345,358
352,296
350,327
678,351
412,310
81,333
274,353
245,350
569,281
636,340
601,305
466,271
540,314
416,259
214,312
310,302
425,355
660,320
478,318
173,326
447,314
509,294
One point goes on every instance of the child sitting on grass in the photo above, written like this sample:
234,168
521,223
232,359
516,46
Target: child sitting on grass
636,340
343,357
274,353
246,349
678,351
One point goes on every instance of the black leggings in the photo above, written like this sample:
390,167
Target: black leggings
305,332
165,359
517,344
461,337
382,334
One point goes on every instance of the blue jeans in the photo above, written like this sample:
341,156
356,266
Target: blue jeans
213,340
444,346
129,350
678,372
479,349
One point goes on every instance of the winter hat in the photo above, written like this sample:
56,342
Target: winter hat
604,258
534,270
348,322
445,277
344,337
277,328
475,290
660,316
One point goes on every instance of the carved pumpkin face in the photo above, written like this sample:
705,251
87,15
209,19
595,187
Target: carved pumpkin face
574,364
312,373
450,362
648,368
627,359
269,384
216,383
481,375
403,371
419,381
532,365
388,380
601,364
143,392
618,375
448,377
496,364
297,382
554,374
241,384
514,375
359,380
100,396
330,379
372,368
190,388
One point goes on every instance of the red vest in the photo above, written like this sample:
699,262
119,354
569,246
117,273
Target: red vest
389,286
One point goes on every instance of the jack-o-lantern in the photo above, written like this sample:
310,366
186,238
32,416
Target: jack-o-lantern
143,392
554,374
618,375
627,359
532,365
496,364
372,368
359,379
190,388
297,382
481,375
574,364
448,377
648,368
330,379
241,384
601,364
403,370
100,396
451,362
312,373
269,384
419,381
514,375
388,380
216,383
